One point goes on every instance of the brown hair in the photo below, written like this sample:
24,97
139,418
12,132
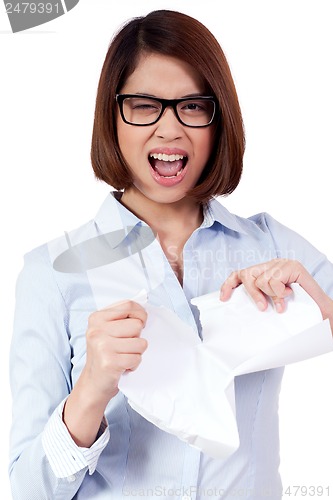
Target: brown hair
174,34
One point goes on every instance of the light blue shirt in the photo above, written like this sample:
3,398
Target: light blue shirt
132,457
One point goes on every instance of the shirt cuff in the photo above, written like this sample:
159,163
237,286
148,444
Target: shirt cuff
63,454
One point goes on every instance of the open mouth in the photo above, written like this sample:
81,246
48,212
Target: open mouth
168,166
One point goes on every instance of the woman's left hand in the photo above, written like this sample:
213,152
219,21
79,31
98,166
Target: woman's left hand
272,279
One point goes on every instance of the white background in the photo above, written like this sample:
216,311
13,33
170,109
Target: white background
280,53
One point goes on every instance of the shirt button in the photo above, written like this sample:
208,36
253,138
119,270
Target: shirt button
71,479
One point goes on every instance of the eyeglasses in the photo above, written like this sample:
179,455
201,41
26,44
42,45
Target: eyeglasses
142,110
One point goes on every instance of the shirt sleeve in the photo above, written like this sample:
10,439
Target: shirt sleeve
290,245
64,456
40,376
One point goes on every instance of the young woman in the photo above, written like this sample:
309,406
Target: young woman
168,137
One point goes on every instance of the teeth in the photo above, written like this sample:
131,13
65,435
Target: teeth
164,157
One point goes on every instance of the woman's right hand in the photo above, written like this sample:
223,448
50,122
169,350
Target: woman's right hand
114,346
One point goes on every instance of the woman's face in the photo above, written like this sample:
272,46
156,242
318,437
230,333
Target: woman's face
186,150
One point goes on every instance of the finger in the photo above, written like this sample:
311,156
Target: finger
120,328
126,309
254,292
129,328
130,346
258,297
275,280
279,304
247,277
262,288
268,280
233,281
128,362
121,310
273,287
242,276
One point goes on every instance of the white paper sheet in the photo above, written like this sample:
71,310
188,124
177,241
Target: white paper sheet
174,383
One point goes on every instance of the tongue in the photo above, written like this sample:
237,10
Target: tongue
168,168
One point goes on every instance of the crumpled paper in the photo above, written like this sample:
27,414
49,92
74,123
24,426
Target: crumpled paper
185,385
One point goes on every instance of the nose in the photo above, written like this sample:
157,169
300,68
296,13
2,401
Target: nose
168,126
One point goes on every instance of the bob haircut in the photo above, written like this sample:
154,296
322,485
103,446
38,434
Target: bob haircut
178,35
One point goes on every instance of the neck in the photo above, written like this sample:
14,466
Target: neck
163,217
173,223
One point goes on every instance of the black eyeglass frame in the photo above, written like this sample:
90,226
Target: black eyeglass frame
165,104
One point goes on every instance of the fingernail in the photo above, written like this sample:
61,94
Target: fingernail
278,307
261,306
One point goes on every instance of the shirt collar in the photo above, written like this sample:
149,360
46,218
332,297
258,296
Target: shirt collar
214,211
113,215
